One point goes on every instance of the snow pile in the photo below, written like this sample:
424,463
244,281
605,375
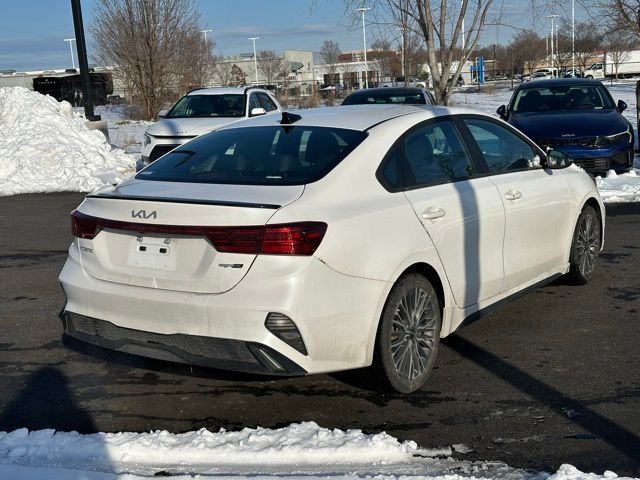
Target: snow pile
303,444
569,472
45,148
302,450
616,188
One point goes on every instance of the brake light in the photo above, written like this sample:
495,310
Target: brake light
83,226
234,239
294,239
284,239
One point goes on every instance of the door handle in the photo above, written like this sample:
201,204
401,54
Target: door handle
513,195
432,213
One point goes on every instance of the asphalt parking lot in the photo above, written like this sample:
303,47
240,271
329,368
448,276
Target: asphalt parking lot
552,378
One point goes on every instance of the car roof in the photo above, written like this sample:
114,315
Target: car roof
389,90
223,90
354,117
555,82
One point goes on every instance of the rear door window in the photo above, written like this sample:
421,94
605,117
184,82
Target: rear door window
266,155
435,154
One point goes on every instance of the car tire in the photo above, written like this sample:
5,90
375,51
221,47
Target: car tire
408,334
590,77
585,246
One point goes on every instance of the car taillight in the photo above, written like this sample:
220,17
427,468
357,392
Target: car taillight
288,239
234,239
294,239
83,226
284,239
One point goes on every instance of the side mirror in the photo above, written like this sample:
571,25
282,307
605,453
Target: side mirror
257,111
162,113
557,159
622,106
502,111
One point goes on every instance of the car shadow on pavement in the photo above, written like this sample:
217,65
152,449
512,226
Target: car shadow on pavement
46,401
615,435
47,404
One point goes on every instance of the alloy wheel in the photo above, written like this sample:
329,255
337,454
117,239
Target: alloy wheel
587,245
413,333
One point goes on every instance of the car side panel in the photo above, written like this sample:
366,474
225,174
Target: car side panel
468,238
538,223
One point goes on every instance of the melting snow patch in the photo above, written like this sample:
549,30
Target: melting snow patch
45,148
616,188
301,444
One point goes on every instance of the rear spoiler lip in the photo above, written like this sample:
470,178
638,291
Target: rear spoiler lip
192,201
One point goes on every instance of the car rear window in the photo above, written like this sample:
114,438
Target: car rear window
265,155
383,98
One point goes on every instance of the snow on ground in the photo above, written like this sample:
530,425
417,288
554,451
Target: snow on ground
614,188
302,450
44,147
123,132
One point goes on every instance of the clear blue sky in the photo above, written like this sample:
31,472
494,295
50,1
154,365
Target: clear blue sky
32,31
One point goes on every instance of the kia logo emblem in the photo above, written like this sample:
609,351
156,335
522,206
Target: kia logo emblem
143,214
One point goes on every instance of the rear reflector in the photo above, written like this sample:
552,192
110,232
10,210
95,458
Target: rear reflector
284,328
283,239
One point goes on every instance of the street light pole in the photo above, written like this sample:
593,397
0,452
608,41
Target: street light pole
573,37
403,53
364,42
78,27
558,47
462,12
255,58
552,17
71,40
205,35
546,41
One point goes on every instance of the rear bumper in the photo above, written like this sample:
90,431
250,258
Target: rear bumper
223,353
336,315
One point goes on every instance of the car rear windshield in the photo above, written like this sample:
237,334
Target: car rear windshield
383,97
265,155
562,97
198,106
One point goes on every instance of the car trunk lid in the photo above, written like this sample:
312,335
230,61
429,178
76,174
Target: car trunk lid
159,234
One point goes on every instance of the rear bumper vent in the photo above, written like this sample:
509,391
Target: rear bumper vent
223,353
284,328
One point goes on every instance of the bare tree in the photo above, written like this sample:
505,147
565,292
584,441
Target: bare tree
151,46
621,14
528,50
619,46
222,71
386,59
439,23
199,62
588,41
330,55
271,66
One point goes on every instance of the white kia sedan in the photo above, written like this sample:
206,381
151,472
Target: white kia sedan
335,239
